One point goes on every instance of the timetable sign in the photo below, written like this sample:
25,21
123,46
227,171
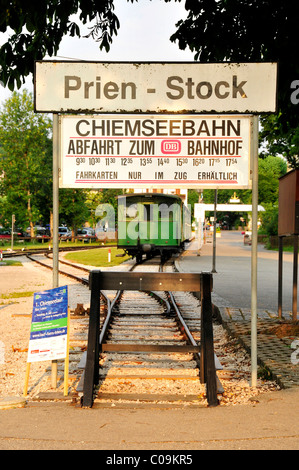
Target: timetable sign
155,151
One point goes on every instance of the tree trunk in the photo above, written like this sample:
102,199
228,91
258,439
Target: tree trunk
51,224
30,216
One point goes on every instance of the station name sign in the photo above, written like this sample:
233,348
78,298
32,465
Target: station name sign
111,87
155,151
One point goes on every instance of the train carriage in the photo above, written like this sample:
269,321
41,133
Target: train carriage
152,224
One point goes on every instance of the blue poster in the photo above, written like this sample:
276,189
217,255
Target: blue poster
48,333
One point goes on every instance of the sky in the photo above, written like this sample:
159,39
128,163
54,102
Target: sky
145,29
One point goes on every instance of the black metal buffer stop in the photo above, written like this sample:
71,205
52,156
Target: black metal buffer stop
199,283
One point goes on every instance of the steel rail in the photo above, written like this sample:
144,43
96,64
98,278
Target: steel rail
190,340
45,251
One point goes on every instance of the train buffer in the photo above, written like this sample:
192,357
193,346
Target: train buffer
199,283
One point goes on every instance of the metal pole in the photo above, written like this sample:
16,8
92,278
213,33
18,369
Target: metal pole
255,130
280,272
214,234
12,230
55,222
295,277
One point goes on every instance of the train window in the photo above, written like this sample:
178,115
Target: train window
151,210
166,212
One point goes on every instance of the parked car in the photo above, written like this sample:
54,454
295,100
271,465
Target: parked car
85,234
19,232
4,233
43,235
64,233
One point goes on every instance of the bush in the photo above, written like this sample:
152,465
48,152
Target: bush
269,220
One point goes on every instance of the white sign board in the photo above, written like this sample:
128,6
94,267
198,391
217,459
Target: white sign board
99,87
160,151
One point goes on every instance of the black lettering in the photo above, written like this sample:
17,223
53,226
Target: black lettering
208,93
217,90
78,127
71,149
215,127
133,143
129,130
175,87
191,147
124,87
173,127
236,130
147,125
238,88
101,127
111,90
68,86
188,128
203,128
87,85
134,175
189,84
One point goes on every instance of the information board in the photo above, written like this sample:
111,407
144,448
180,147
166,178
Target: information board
155,151
48,334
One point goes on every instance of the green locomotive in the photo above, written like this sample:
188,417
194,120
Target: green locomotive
152,224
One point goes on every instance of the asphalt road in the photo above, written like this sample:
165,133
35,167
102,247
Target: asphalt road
232,281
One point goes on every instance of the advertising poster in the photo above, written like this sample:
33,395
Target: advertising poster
48,333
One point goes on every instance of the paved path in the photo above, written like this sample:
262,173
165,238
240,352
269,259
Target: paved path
232,281
232,296
271,424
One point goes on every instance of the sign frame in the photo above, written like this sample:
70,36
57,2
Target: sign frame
237,87
81,133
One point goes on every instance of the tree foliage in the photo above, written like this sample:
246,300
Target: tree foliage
73,210
251,30
214,30
26,166
36,29
270,170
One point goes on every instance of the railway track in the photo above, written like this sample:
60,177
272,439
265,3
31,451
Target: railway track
46,251
70,270
147,350
138,318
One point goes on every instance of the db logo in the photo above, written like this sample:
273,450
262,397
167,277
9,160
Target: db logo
170,146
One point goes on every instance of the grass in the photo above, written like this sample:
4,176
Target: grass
97,258
16,295
35,245
10,262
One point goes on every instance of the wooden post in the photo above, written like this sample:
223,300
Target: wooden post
280,270
207,349
66,361
25,391
91,376
295,277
